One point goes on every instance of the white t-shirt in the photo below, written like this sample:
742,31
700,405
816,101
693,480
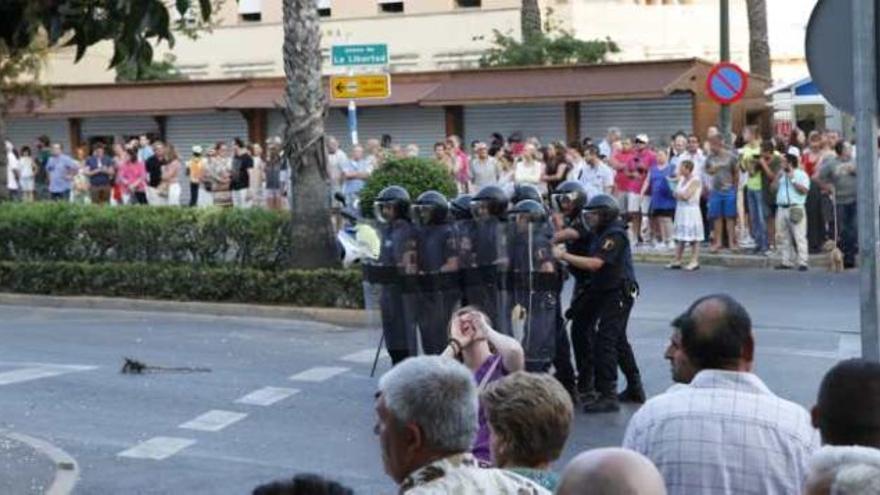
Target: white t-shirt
11,166
597,180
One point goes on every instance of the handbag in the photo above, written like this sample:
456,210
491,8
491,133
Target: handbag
796,213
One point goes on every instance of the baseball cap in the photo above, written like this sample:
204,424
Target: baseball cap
198,150
642,138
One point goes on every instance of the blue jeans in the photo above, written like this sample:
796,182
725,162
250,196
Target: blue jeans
758,219
848,231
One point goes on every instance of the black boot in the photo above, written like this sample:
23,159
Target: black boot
603,404
633,393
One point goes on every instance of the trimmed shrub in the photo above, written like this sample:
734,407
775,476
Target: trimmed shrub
317,288
250,238
416,175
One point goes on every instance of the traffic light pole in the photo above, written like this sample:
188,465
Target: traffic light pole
725,57
864,78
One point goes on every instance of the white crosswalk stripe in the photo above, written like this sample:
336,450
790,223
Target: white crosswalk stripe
215,420
35,371
267,396
365,356
157,448
318,374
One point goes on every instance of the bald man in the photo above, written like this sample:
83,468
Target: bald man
611,471
721,431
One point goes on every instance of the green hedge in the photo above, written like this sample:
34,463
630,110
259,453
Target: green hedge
252,238
318,288
416,175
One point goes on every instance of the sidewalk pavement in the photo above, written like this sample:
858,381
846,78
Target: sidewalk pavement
724,259
23,469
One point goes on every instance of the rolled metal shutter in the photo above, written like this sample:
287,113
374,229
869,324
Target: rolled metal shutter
409,124
119,128
544,121
205,129
24,131
659,118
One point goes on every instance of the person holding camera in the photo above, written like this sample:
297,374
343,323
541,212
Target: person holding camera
792,185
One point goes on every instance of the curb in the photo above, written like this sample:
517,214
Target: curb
727,260
349,318
66,468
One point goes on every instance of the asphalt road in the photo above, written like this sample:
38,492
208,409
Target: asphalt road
176,432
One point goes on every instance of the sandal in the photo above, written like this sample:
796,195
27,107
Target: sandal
674,266
692,267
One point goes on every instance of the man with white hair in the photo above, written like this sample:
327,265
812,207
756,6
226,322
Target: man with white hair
427,419
606,146
844,471
611,471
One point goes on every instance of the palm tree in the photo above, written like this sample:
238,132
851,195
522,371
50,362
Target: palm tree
530,19
305,107
759,46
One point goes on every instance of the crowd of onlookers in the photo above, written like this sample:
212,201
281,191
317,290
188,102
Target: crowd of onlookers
148,172
790,195
471,421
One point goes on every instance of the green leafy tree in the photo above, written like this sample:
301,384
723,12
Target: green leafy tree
550,46
416,175
28,29
161,70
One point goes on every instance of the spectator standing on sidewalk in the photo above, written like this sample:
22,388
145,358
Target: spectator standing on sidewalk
721,165
171,177
61,169
80,192
258,176
791,217
484,169
13,173
42,153
336,159
460,163
688,217
606,146
811,161
354,175
596,176
769,163
242,169
662,202
145,151
27,170
195,169
220,176
528,170
840,174
275,184
637,169
100,170
751,163
132,178
154,166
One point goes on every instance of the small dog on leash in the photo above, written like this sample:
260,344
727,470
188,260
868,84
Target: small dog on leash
835,256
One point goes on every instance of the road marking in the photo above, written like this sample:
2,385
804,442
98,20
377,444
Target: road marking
365,356
214,420
267,396
318,374
157,448
37,372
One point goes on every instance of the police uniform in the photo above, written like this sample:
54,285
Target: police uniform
582,330
396,259
438,291
605,305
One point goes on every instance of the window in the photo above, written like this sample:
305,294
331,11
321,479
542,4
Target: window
467,4
323,8
250,10
390,6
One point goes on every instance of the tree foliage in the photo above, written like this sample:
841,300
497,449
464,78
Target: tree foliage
158,70
551,46
416,175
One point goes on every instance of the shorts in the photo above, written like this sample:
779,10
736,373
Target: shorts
657,213
722,204
645,205
629,202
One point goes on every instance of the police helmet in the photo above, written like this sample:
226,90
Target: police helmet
430,208
523,192
569,197
391,204
603,209
491,201
461,207
530,211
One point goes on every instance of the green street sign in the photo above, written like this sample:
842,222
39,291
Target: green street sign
347,55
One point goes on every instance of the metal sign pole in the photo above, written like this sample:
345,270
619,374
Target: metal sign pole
864,71
353,122
725,57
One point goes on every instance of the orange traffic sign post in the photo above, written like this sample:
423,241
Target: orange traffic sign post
360,86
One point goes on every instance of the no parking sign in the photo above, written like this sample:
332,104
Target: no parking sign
727,83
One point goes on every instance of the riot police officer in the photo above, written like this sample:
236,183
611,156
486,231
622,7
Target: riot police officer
534,283
438,265
567,200
607,302
387,276
484,277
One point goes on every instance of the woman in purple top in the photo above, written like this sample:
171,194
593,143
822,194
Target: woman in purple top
662,210
489,354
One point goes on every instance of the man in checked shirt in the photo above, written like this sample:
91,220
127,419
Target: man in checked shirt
720,430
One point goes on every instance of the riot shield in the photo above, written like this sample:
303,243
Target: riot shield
438,292
533,287
484,267
388,291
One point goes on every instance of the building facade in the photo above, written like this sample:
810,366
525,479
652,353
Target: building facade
440,35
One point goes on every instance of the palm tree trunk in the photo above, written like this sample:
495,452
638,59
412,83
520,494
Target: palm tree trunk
305,107
530,19
759,46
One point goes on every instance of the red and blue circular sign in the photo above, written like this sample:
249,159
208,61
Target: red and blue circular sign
727,83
